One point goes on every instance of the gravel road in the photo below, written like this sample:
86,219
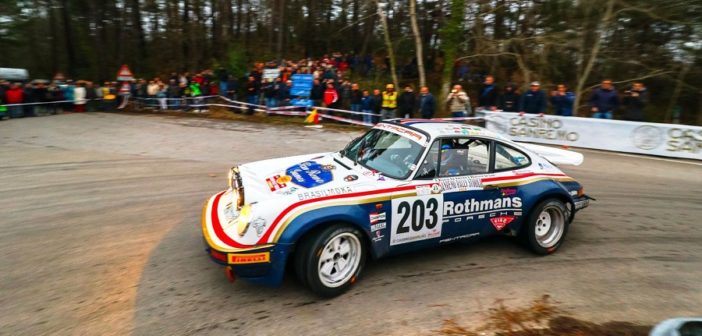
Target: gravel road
99,235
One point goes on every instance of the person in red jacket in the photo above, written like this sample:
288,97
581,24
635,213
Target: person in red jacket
15,95
330,96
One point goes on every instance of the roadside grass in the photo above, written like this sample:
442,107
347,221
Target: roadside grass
540,318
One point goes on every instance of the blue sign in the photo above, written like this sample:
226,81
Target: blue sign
309,174
301,85
302,102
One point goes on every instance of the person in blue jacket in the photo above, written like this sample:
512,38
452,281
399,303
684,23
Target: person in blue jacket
367,106
562,101
427,103
533,100
604,100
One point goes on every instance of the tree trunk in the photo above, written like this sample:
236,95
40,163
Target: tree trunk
281,28
680,82
186,35
452,33
141,38
68,36
417,43
585,74
388,46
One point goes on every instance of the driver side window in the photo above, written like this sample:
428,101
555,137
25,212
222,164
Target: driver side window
464,156
455,157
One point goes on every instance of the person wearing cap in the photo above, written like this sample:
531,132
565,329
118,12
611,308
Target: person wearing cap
533,100
389,102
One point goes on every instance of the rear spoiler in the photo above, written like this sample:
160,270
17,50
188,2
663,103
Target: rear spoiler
555,155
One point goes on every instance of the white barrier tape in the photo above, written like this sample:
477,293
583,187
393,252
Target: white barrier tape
51,102
346,111
347,120
181,98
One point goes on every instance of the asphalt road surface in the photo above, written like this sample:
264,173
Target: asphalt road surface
99,235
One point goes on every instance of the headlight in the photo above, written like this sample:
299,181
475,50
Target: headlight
230,177
244,219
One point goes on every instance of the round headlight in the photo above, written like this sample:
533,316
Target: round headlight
244,219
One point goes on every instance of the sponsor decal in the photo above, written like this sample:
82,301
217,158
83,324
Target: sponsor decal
416,218
249,258
323,192
283,179
381,178
328,167
376,217
309,174
274,183
406,132
350,178
470,235
500,222
379,226
370,173
378,237
460,184
509,191
436,188
473,206
541,128
423,190
287,191
259,224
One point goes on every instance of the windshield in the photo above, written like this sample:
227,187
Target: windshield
388,153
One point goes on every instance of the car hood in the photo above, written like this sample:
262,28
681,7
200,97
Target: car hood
306,176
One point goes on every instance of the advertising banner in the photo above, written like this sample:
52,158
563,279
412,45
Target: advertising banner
673,140
301,85
271,74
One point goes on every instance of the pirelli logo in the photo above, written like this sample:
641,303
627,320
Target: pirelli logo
249,258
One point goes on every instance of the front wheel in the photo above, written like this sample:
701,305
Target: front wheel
331,261
547,227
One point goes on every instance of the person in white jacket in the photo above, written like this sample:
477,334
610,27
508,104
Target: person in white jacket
79,97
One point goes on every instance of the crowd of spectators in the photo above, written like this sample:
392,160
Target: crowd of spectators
331,88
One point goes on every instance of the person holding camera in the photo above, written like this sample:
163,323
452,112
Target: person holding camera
634,102
458,102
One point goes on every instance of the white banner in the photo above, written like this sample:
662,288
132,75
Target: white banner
673,140
271,74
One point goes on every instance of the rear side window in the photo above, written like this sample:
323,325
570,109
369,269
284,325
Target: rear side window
507,157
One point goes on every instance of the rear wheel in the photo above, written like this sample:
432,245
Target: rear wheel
547,227
330,261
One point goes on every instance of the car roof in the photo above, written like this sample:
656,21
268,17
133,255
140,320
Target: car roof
438,128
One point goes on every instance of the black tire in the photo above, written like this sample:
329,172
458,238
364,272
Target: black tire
308,263
540,234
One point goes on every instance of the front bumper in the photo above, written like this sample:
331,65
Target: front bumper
580,203
259,263
264,265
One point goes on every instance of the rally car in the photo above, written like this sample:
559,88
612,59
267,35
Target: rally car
402,186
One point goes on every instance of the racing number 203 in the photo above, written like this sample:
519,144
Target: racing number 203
420,215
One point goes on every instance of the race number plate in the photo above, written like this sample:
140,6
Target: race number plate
416,218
